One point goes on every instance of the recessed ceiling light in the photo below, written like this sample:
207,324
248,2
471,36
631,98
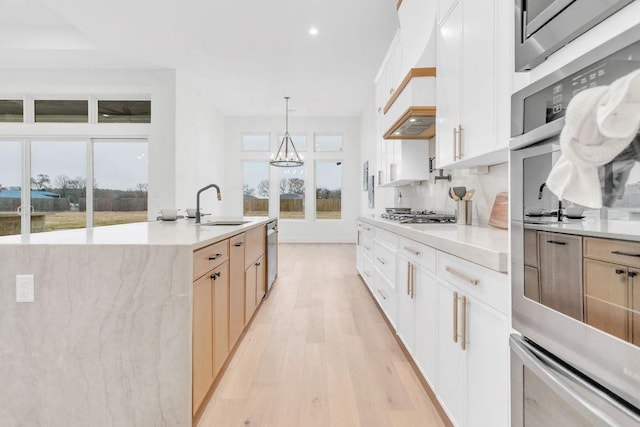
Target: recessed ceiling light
313,31
412,119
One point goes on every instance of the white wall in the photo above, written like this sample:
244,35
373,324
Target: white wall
307,230
383,196
159,85
199,149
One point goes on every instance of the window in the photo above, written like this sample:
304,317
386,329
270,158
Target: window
120,189
255,190
292,191
328,189
10,187
256,142
11,110
328,142
58,184
299,140
124,111
62,111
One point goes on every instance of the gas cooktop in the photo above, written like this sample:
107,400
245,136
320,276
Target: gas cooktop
419,217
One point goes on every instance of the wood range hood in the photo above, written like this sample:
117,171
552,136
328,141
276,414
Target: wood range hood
414,121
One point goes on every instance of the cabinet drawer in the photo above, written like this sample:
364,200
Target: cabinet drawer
368,229
389,238
366,243
489,286
255,242
418,253
367,273
209,257
616,251
385,293
384,258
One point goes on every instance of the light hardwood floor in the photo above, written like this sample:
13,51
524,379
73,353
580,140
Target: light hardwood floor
319,353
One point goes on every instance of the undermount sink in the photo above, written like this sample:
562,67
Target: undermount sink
228,223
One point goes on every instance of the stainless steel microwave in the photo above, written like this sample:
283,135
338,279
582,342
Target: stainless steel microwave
544,26
575,358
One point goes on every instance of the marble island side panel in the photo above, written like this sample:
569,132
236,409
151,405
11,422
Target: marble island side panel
107,341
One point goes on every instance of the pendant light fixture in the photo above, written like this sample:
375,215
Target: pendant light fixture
287,155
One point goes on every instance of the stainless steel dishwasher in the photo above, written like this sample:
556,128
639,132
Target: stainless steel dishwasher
272,253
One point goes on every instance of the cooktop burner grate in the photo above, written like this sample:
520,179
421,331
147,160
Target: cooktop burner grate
420,217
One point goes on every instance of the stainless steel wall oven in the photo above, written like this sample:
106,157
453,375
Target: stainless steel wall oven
544,26
575,279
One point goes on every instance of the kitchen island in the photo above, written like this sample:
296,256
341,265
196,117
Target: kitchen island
108,338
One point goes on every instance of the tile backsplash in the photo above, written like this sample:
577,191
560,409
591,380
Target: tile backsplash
434,194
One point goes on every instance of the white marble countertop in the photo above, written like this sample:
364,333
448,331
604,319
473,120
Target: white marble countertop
486,246
181,232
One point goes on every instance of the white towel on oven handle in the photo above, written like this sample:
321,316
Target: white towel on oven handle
599,124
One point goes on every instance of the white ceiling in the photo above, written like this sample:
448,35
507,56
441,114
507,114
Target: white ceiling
244,55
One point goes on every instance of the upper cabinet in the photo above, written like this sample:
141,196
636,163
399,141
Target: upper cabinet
474,86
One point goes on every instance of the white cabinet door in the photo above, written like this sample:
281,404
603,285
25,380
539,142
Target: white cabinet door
449,64
487,366
451,359
478,78
425,323
406,325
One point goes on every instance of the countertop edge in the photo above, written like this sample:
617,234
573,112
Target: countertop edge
489,258
238,229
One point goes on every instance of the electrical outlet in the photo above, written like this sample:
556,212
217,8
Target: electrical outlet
24,288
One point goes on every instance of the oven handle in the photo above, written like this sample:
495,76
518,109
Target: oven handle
561,380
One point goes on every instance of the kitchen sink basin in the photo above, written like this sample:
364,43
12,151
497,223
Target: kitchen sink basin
227,223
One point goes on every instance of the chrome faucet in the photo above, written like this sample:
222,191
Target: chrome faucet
198,199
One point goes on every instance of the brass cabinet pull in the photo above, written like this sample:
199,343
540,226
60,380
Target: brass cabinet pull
463,342
413,251
462,276
381,294
408,277
455,317
455,144
215,257
460,142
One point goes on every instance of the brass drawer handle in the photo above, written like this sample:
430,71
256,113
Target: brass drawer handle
413,251
381,294
215,257
455,317
408,278
215,275
462,276
625,254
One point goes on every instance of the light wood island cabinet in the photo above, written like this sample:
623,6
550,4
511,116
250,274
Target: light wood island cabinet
236,288
229,284
210,310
